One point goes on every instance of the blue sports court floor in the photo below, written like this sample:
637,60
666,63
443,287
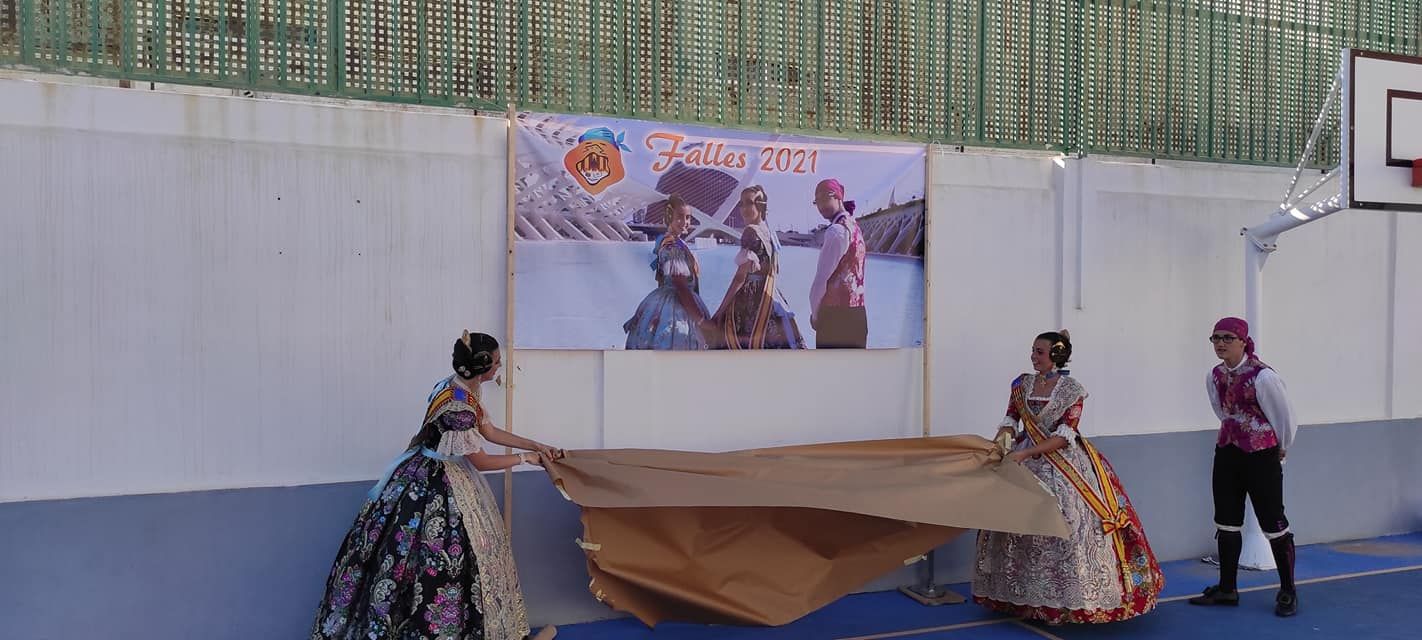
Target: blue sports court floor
1361,590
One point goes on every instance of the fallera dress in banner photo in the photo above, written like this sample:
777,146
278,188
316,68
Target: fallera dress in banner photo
662,322
758,317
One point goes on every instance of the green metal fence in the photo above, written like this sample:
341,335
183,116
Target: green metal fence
1232,80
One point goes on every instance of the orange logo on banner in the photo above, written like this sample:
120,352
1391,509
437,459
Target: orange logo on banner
596,162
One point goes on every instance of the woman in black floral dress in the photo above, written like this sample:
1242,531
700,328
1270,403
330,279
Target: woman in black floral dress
752,314
428,556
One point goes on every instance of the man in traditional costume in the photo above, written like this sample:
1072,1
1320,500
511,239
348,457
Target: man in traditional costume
1256,430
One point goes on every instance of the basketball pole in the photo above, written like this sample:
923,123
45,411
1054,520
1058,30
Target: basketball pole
1260,241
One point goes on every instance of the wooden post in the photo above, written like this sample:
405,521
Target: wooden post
510,365
927,293
927,591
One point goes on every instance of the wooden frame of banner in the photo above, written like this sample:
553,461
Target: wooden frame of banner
927,591
509,364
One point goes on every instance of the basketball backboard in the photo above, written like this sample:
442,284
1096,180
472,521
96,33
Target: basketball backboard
1382,131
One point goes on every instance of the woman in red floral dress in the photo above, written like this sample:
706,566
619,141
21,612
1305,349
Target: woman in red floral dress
1105,570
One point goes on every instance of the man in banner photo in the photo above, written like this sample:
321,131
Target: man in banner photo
837,295
748,236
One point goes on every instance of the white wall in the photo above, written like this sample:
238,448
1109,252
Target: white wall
1161,260
202,291
168,324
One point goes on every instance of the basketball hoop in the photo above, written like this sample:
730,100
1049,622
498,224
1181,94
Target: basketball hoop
1381,151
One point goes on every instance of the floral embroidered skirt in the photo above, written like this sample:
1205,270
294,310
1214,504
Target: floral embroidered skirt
429,558
1076,579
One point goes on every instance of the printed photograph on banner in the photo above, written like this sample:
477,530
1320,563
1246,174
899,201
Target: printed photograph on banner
643,235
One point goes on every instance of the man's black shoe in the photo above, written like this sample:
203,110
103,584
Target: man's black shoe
1286,604
1216,596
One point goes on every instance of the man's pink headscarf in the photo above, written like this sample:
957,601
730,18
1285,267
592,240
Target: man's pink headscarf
1239,328
833,187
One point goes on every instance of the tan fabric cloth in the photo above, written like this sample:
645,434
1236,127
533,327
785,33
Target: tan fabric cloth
769,535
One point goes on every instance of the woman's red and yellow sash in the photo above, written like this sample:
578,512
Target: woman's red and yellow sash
1114,519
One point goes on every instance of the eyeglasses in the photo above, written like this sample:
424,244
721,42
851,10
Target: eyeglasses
1225,339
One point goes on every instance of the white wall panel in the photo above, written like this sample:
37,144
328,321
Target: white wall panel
206,291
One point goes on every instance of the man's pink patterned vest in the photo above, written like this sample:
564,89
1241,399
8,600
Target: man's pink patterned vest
1244,425
846,285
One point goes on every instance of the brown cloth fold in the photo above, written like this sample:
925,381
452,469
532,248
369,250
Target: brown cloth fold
766,536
